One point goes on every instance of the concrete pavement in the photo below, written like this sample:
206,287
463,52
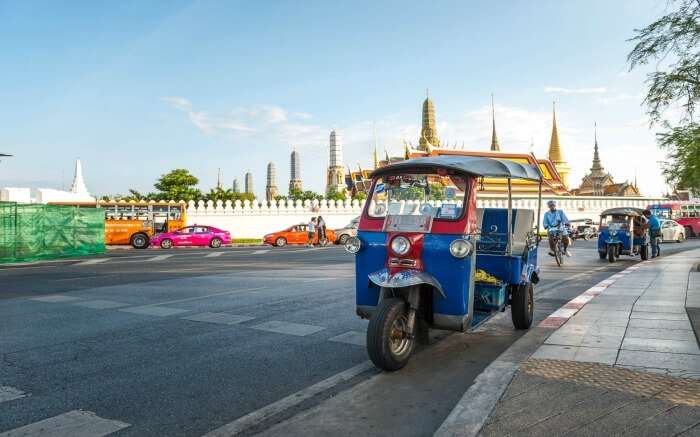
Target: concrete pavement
247,339
624,361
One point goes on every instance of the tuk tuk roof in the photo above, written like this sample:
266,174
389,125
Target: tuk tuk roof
473,165
626,211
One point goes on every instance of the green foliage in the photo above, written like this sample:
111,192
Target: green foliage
683,147
333,194
437,192
360,196
304,195
218,193
671,43
179,184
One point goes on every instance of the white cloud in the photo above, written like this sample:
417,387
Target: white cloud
178,102
561,90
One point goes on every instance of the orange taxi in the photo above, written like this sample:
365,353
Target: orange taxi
297,234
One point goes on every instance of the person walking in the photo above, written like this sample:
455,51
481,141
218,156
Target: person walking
321,230
654,232
312,232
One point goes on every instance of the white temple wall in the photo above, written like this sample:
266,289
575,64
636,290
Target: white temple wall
19,195
254,220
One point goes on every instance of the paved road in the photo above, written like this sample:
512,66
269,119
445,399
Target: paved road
184,342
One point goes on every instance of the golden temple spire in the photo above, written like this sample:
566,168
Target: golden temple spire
428,134
495,147
555,153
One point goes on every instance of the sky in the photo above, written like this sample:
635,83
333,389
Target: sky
135,89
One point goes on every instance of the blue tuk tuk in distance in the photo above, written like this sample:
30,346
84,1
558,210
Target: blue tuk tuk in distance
426,257
622,232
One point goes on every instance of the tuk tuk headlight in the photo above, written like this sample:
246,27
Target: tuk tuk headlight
353,244
460,248
400,245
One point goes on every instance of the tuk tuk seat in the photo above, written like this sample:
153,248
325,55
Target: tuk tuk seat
496,242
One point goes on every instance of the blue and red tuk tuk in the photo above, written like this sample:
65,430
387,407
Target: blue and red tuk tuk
426,257
623,232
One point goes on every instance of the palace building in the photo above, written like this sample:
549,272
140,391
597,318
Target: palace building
600,183
429,144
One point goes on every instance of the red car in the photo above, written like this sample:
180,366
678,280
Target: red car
193,236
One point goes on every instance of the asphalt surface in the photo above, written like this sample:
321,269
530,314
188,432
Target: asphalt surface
183,342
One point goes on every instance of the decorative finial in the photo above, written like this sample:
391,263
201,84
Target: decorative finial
427,93
495,147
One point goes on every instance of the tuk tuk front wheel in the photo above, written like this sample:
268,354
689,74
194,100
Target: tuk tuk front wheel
389,344
522,306
611,253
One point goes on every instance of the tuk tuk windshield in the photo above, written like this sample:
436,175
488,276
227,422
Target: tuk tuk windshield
431,195
614,222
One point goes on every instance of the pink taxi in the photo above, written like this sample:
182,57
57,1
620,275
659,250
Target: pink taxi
193,236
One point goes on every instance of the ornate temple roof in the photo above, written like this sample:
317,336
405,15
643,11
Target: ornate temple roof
555,153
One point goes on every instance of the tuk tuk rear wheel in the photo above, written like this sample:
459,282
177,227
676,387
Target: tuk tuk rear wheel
602,254
611,253
389,344
522,306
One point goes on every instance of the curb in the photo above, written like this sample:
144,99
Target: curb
474,408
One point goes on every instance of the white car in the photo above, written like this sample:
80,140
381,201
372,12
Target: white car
672,231
342,234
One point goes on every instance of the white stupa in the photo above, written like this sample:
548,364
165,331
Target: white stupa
78,191
78,186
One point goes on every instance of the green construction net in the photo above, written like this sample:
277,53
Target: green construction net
31,232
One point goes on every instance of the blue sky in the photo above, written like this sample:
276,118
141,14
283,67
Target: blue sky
137,88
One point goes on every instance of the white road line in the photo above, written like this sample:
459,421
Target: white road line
76,423
280,327
250,420
158,258
213,254
188,299
10,393
154,311
54,298
92,261
257,252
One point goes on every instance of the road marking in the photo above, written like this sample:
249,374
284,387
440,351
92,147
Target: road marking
254,418
76,423
100,304
297,329
351,337
55,298
158,258
154,311
92,261
220,318
189,299
10,393
213,254
257,252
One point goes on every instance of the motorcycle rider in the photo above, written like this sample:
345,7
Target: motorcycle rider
552,220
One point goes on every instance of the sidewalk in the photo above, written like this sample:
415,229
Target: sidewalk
624,360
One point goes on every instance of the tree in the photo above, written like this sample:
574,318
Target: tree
304,195
179,184
672,42
360,196
334,194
